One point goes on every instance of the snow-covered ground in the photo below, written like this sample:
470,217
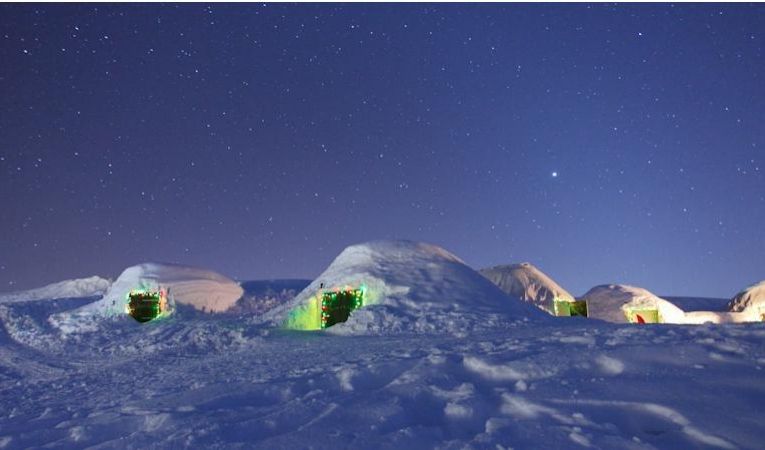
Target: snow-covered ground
202,380
209,382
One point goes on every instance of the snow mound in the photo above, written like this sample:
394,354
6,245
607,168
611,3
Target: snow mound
202,289
78,288
751,299
527,282
409,287
607,302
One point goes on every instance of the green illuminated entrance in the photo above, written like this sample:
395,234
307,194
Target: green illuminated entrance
144,305
642,315
566,308
336,306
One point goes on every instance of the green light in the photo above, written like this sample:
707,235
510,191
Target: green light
326,308
336,306
305,317
565,307
145,305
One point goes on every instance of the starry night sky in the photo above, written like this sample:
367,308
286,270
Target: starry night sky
605,144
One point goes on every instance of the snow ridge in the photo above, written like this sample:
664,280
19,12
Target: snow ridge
76,288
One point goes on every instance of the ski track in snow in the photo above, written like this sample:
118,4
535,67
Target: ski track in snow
217,381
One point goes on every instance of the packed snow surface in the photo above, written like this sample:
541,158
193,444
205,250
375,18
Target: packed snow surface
409,287
527,282
82,287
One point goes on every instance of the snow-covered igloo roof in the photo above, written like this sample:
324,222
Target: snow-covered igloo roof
607,302
527,282
409,286
202,289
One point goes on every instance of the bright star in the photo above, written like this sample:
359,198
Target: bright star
555,174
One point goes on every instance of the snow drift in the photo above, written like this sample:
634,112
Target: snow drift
527,282
78,288
409,286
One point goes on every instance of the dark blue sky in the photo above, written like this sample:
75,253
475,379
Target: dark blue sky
260,140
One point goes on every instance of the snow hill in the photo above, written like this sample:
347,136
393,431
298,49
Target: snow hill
751,300
410,286
528,283
202,289
81,287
